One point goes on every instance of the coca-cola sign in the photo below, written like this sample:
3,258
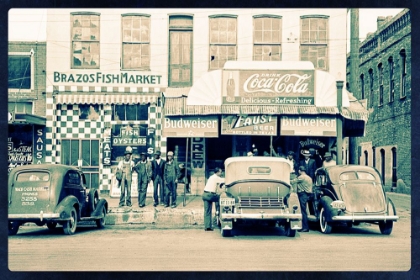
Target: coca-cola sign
265,87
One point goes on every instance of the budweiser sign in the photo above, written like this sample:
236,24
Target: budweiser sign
264,87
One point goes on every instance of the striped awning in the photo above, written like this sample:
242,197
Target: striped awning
105,98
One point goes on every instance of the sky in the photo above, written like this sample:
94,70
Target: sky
29,24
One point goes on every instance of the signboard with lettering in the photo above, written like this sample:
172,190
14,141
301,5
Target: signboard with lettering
249,125
308,125
265,87
106,147
129,136
191,126
39,144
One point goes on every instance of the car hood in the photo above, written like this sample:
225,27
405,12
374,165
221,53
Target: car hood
363,197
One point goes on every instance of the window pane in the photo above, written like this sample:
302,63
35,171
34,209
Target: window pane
74,152
94,153
131,112
119,113
65,152
142,112
19,72
86,150
136,30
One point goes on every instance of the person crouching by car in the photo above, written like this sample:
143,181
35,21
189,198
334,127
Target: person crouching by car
144,171
210,195
126,165
304,192
171,174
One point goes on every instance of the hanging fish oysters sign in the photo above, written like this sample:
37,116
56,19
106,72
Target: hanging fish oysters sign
249,125
268,87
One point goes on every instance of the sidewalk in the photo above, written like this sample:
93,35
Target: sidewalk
190,215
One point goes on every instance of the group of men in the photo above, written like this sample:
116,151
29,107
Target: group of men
163,173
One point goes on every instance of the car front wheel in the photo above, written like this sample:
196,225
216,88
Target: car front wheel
325,227
386,227
69,226
13,228
100,223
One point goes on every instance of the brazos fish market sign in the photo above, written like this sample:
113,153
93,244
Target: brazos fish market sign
249,125
264,87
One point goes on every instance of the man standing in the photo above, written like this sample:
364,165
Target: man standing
210,195
144,171
171,174
304,192
309,164
328,160
293,164
126,165
158,165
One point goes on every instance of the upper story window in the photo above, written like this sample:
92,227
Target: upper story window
267,38
314,40
126,112
362,85
223,40
20,107
391,79
403,90
20,66
371,83
85,40
135,41
381,84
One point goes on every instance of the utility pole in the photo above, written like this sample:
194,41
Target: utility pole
354,73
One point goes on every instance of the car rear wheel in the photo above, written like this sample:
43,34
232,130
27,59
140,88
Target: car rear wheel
289,231
13,228
100,223
51,225
69,226
325,227
386,227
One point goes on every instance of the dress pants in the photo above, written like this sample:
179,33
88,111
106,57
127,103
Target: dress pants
125,197
303,199
170,192
208,199
158,190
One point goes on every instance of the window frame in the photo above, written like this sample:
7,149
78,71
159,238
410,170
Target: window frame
98,41
142,43
380,84
217,45
371,87
314,46
403,77
391,66
32,60
362,86
114,112
263,43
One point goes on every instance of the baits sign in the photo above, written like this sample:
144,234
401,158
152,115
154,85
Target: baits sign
265,87
249,125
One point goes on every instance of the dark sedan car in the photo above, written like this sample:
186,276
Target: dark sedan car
350,194
52,194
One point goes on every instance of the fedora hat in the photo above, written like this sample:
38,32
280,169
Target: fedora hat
305,153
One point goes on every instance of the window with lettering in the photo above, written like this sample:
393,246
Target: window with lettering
135,41
85,48
223,40
314,40
267,38
128,112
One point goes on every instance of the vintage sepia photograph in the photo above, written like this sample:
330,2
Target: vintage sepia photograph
209,139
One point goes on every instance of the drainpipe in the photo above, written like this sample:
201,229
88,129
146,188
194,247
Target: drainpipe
339,123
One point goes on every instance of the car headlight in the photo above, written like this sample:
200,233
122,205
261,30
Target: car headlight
338,204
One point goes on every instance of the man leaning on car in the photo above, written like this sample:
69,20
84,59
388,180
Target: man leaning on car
304,191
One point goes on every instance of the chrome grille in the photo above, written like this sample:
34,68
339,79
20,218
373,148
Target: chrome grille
261,202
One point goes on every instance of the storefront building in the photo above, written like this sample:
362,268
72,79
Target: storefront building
26,103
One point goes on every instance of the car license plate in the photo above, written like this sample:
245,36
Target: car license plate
227,202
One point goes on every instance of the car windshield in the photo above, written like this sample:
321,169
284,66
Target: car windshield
33,176
363,197
354,175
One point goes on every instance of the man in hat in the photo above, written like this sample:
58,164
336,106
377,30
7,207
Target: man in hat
126,165
293,164
144,171
158,165
309,163
171,174
328,160
254,150
304,192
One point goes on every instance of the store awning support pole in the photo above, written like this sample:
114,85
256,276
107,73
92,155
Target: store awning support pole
271,145
339,123
186,175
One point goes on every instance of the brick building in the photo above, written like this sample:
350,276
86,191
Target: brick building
384,86
26,103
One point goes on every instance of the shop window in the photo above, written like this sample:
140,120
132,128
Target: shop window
403,77
85,40
125,112
135,41
20,71
267,38
89,112
391,79
223,40
314,41
381,84
20,107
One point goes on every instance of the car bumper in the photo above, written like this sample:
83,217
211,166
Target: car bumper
368,218
261,216
39,216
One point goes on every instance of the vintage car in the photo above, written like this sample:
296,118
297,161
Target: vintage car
52,194
350,195
258,190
